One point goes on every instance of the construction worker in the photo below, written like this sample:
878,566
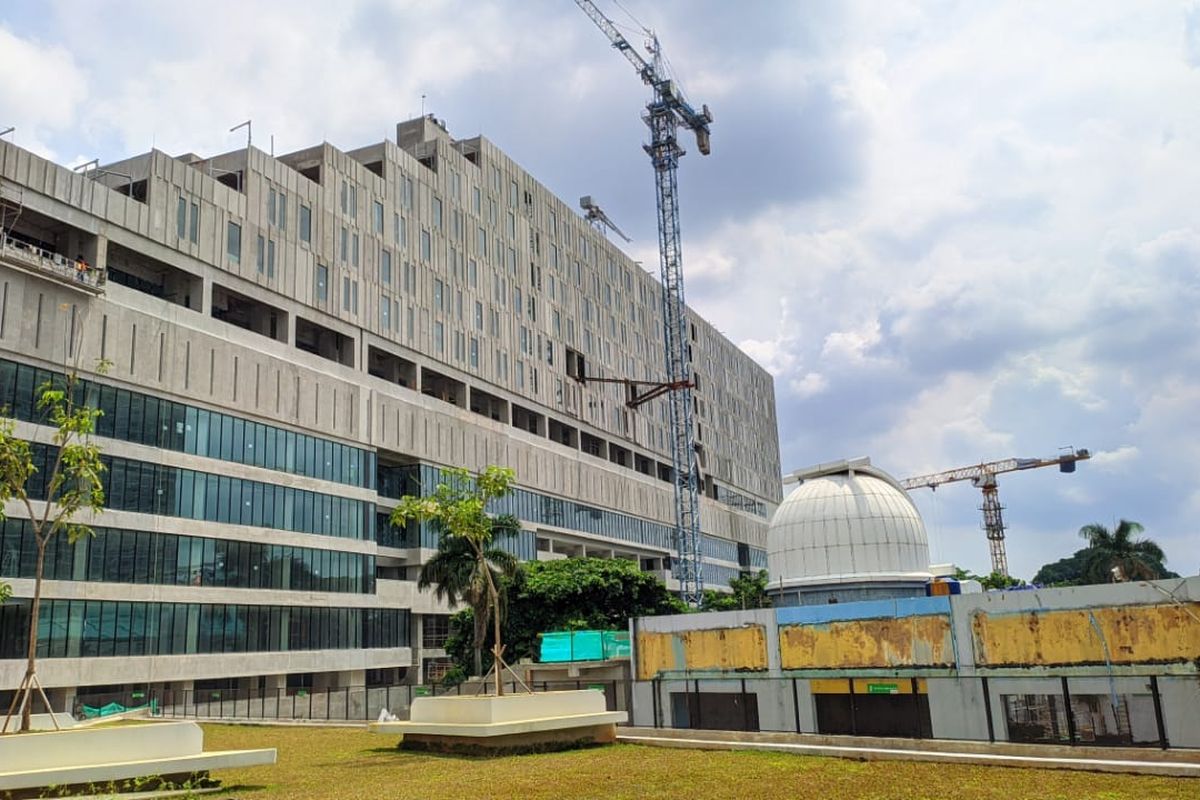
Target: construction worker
81,268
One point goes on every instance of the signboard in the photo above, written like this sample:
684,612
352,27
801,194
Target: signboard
882,688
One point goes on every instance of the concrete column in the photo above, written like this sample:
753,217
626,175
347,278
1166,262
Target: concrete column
206,292
352,677
98,255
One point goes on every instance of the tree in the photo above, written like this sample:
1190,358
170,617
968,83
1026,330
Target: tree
71,484
1118,549
570,594
1067,571
455,573
993,580
458,507
749,591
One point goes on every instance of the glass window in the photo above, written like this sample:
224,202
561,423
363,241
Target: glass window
305,224
322,282
426,246
260,258
181,219
377,217
283,216
385,267
233,242
194,229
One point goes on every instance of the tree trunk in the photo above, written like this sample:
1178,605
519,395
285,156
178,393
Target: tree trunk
480,624
497,648
31,654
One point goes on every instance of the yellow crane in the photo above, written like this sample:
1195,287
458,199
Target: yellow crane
983,476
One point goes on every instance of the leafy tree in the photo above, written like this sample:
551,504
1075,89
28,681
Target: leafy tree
993,580
71,484
1137,559
1075,570
1067,571
458,507
456,575
584,594
749,590
570,594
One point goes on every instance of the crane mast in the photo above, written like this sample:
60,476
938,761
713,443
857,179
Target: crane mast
983,476
666,111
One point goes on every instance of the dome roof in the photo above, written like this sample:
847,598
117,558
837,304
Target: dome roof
847,522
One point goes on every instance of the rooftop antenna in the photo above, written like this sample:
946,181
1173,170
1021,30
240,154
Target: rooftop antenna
249,130
597,218
422,104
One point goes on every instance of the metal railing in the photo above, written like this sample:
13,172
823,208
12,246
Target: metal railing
336,704
1067,712
25,254
1070,713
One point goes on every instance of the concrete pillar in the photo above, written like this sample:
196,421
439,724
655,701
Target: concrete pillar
206,292
352,677
98,255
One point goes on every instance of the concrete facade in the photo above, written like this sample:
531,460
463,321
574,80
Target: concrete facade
1123,657
395,309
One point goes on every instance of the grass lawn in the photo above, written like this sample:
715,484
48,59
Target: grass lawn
349,763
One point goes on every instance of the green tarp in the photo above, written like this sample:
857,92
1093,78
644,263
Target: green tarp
91,712
560,646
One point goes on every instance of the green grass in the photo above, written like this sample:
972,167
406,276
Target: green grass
349,763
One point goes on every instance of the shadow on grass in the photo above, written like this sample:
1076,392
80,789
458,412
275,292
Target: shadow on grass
419,755
242,787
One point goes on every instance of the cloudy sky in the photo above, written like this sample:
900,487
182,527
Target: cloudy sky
953,231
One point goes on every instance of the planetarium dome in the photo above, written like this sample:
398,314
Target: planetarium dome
847,532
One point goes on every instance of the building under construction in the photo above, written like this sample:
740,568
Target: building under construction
296,341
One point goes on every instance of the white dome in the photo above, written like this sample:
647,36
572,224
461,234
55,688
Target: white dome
847,523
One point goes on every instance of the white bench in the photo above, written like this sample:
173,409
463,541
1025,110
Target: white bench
512,721
102,754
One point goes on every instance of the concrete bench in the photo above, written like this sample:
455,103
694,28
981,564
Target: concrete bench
82,756
514,722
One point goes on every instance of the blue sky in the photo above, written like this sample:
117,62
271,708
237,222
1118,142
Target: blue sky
953,231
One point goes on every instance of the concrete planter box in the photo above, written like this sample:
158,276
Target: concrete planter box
508,724
100,755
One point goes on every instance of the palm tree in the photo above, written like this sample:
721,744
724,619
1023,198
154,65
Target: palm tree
457,574
1137,559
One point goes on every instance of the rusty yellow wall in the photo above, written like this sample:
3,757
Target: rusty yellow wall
917,641
718,650
1134,635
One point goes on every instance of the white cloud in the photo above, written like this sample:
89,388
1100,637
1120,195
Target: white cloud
41,93
1117,460
811,384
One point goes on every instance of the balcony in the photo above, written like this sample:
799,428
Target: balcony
37,260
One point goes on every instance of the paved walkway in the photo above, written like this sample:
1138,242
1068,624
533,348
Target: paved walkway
1173,763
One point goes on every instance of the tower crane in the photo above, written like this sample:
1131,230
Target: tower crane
983,476
665,113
